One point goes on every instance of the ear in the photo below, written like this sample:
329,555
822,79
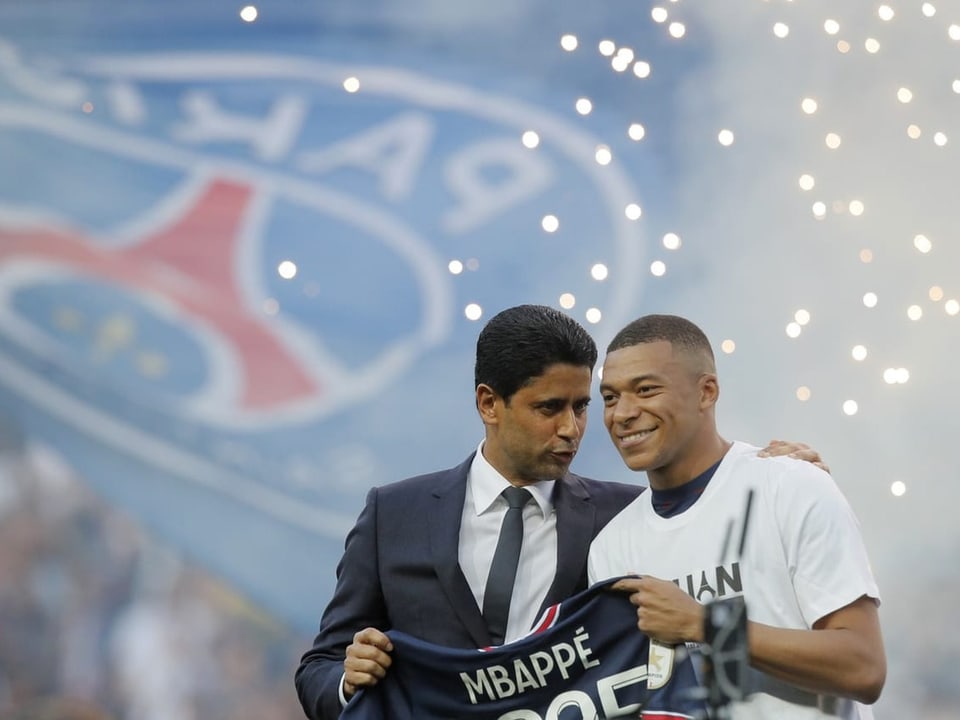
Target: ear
487,404
709,390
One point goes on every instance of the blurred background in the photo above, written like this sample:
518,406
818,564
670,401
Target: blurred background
245,251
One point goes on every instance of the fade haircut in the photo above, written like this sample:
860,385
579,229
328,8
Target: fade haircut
682,334
518,344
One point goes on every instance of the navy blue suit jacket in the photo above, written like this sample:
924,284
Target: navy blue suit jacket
400,570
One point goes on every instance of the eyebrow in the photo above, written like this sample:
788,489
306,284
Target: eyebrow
637,379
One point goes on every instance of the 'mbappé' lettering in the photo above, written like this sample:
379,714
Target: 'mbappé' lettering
533,671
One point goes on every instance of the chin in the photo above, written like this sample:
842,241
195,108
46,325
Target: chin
636,463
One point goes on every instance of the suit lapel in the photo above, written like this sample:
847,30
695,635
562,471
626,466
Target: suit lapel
444,522
575,522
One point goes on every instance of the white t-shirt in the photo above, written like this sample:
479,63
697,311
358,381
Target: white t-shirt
803,558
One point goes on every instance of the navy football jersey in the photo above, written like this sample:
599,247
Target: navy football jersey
584,659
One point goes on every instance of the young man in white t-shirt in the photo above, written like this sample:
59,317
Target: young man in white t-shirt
815,644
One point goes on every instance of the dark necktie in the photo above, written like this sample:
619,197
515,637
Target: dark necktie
503,570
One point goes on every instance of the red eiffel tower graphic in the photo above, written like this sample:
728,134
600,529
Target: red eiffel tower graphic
191,263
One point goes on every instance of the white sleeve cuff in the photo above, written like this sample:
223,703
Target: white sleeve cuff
343,698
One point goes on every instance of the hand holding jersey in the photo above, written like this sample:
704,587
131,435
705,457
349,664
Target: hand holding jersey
664,612
367,660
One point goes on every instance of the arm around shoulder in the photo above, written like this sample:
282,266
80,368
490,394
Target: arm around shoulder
357,603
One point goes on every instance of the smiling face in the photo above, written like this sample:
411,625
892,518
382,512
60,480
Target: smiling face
658,408
535,435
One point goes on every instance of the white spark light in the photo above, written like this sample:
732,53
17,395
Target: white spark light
550,223
569,42
287,269
803,393
952,307
473,311
659,14
940,139
872,45
809,106
859,353
832,141
850,407
671,241
870,299
793,330
636,131
593,315
641,68
904,95
455,267
928,9
954,32
802,317
530,139
936,293
567,301
885,12
913,131
599,272
819,210
832,27
351,84
781,30
914,312
633,211
807,182
728,346
922,243
678,30
248,13
584,106
856,208
607,48
898,488
658,268
725,137
603,156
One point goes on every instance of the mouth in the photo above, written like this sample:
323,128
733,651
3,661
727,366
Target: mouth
565,456
635,437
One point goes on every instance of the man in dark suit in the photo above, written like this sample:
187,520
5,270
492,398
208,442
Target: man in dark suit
419,556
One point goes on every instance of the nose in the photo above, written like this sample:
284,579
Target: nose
569,424
622,411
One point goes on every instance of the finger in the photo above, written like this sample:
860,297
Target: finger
359,652
360,670
374,637
771,448
365,666
628,584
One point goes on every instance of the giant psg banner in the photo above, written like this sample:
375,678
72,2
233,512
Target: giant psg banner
238,260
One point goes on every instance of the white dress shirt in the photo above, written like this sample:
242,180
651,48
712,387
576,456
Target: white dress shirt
483,512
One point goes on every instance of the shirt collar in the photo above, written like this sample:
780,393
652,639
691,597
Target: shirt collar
486,483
